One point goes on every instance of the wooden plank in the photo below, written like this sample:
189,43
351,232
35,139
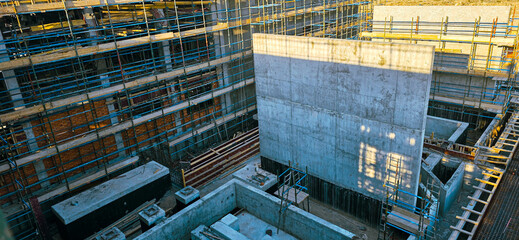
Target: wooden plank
472,211
491,175
477,200
486,182
500,41
467,220
482,189
461,230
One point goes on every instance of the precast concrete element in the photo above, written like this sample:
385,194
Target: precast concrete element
231,221
342,108
187,195
255,176
150,216
112,234
96,208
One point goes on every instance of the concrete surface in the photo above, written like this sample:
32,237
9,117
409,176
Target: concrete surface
187,194
152,214
113,234
94,198
343,107
450,190
255,176
295,221
231,221
255,229
213,206
227,232
342,219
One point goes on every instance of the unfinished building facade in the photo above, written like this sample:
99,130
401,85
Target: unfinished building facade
92,90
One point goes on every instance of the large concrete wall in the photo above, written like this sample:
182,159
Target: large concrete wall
342,108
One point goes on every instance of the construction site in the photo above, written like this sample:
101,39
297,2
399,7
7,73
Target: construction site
260,119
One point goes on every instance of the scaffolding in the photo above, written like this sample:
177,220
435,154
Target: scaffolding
90,88
292,190
475,65
405,211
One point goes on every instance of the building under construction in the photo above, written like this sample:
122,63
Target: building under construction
264,119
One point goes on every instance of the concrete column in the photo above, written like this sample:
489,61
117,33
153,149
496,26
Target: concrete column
101,67
166,51
12,86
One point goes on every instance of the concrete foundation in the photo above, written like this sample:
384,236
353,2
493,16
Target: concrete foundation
236,194
451,130
343,108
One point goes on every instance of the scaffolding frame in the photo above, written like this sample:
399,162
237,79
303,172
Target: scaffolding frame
91,88
484,50
418,220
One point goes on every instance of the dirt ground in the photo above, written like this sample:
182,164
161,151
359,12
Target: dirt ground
342,219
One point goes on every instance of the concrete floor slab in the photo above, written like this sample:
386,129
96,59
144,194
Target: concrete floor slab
255,228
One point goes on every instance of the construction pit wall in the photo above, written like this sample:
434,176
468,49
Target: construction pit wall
294,223
179,79
476,49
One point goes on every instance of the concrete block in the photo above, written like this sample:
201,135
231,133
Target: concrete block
255,176
227,232
197,233
187,195
231,221
112,234
152,215
85,213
